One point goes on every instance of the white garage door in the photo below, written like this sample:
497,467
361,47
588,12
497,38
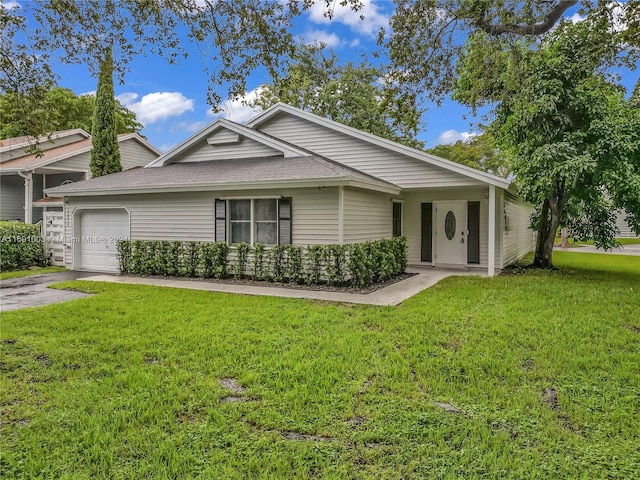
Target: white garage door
100,232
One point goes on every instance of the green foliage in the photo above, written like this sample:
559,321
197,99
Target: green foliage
314,80
354,264
335,264
21,246
573,140
105,154
479,152
314,267
242,257
277,262
61,109
293,269
259,267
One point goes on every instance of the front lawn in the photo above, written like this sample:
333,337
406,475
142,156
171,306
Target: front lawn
28,273
541,366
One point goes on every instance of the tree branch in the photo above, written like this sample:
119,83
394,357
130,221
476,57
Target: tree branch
534,29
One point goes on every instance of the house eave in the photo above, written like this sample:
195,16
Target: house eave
210,187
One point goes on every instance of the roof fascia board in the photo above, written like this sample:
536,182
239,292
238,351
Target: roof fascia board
43,138
381,142
256,135
311,183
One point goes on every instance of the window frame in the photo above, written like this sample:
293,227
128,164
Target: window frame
252,219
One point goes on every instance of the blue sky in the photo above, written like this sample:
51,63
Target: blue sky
170,100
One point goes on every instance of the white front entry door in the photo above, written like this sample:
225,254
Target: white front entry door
451,233
100,231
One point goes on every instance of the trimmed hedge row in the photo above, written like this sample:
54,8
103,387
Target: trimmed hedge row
21,246
359,264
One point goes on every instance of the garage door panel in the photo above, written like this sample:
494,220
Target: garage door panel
100,232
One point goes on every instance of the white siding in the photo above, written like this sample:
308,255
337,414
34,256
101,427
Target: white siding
624,230
190,216
11,197
412,219
518,236
246,148
367,215
402,170
134,154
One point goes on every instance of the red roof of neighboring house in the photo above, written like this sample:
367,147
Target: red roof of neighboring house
47,156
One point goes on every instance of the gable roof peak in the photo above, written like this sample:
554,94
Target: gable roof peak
280,107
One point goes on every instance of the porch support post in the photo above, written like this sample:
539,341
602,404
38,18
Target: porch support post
28,195
491,270
340,215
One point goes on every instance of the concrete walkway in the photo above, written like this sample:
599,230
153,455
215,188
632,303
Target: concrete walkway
392,295
633,250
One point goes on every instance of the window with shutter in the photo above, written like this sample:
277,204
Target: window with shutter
253,220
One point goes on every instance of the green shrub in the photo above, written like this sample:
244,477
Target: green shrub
293,267
21,246
242,256
259,267
335,258
314,263
277,262
359,264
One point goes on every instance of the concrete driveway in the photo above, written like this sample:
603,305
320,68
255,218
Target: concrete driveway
33,292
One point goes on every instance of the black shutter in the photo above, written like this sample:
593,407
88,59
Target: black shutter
221,220
473,238
426,254
284,221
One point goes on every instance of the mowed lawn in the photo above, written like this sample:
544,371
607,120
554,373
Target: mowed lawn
544,368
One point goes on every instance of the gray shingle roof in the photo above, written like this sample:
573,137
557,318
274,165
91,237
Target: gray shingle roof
219,172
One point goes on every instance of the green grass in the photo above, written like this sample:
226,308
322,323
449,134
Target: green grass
27,273
125,384
622,241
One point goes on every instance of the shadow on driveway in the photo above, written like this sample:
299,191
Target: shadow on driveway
33,292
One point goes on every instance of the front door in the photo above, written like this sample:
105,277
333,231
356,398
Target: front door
451,233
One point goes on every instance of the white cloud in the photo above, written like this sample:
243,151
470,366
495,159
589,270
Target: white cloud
156,106
331,40
576,17
449,137
236,110
165,147
91,93
368,21
11,4
189,127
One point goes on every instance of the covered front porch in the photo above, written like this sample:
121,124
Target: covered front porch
22,191
454,228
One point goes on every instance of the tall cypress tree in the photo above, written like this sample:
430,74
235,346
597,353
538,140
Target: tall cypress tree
105,155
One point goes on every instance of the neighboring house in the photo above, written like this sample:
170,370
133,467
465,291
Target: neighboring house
64,158
289,176
624,229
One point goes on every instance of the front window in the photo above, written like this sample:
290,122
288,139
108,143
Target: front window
266,221
254,221
240,220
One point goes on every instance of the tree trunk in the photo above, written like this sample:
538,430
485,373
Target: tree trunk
564,237
547,229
